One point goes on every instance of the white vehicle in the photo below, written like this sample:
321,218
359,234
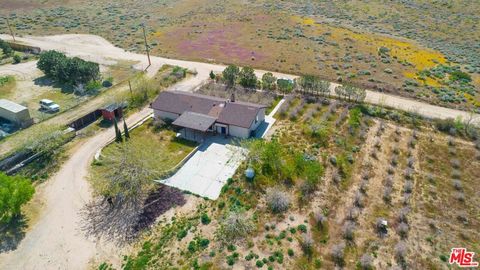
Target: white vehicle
48,105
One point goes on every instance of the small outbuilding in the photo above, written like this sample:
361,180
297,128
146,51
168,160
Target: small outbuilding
15,113
114,110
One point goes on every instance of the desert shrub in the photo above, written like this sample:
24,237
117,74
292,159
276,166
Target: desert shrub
277,200
477,155
402,229
353,213
411,162
348,231
394,160
336,178
234,226
366,262
359,200
409,173
363,186
445,125
412,143
307,244
457,184
401,252
455,163
290,252
338,253
460,196
320,219
456,174
389,181
390,170
406,198
408,187
451,141
403,215
387,194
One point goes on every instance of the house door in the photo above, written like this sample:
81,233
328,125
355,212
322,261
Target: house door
223,130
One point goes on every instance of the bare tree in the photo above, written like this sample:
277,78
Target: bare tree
307,244
320,219
348,231
122,185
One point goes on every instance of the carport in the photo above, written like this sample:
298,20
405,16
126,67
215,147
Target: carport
194,125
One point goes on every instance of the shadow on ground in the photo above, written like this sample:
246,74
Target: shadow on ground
12,233
122,221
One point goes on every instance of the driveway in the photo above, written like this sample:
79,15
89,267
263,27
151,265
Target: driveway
207,171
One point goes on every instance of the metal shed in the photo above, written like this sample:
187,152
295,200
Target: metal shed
15,113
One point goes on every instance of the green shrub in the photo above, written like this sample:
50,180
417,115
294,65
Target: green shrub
15,191
17,59
302,228
181,234
93,86
290,252
205,219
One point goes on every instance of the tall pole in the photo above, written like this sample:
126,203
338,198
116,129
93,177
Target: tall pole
146,47
11,31
130,86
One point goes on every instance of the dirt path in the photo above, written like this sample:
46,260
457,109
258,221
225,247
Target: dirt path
55,241
100,50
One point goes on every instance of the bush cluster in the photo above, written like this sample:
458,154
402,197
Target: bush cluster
61,68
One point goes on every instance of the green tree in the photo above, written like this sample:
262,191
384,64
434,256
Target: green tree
50,62
230,75
15,191
5,47
118,134
307,83
285,86
125,128
212,75
17,59
68,70
248,79
268,81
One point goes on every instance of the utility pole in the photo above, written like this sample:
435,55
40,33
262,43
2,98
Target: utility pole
130,86
146,47
10,28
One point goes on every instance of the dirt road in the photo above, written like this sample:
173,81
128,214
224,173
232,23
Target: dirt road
55,241
100,50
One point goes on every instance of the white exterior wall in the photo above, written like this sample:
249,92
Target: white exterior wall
239,132
260,117
165,115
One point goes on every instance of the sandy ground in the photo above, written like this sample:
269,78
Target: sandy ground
55,241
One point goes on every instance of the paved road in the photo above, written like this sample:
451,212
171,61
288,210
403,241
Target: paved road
55,241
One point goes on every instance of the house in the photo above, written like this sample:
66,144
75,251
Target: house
15,113
198,114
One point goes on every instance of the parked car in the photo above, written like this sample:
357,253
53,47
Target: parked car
49,106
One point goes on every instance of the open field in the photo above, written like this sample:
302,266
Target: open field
334,40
